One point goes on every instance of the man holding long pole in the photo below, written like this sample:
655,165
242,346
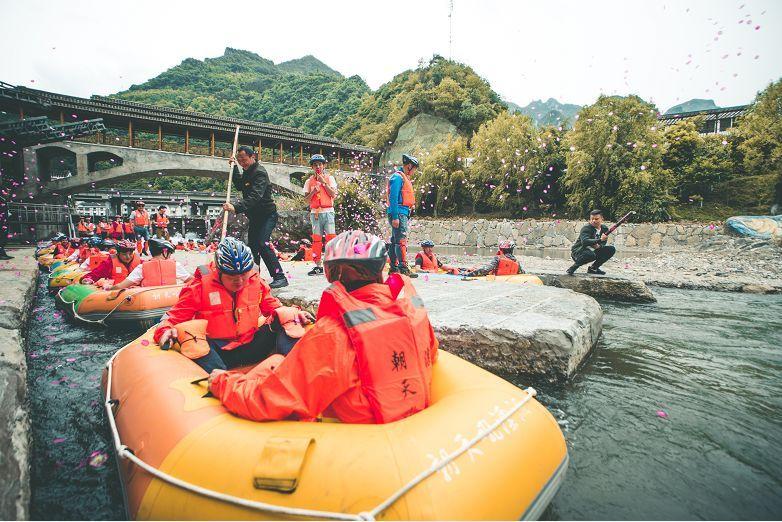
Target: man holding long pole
261,211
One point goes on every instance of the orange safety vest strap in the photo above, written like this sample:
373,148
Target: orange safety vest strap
428,264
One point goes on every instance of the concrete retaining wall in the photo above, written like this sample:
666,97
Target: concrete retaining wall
17,291
556,233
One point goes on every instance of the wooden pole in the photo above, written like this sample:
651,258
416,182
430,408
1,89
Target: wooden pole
339,161
130,133
301,154
212,144
280,152
260,150
187,141
159,137
230,182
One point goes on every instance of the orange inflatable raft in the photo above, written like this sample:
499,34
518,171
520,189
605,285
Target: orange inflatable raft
484,450
137,307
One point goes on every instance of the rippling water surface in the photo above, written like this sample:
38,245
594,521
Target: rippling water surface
710,362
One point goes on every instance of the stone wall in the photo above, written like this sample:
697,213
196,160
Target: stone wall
556,233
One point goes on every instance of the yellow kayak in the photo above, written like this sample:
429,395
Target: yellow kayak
484,450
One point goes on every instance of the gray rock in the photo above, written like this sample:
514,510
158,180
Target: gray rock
602,287
504,328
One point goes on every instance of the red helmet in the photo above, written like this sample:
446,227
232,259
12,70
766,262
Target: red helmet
125,245
355,256
507,246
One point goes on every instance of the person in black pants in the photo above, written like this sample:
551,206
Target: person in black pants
261,211
591,247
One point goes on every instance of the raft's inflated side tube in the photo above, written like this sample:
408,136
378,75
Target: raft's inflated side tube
64,277
519,279
136,308
166,421
46,260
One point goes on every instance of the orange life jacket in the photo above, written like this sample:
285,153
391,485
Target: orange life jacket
179,246
139,246
142,218
161,221
62,252
84,253
307,253
321,198
104,226
116,227
96,260
230,316
393,346
120,272
408,194
128,227
507,266
82,227
427,264
90,227
158,272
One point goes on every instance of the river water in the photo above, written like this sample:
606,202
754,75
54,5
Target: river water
710,363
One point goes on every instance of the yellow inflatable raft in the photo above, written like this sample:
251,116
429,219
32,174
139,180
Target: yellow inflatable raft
519,279
484,450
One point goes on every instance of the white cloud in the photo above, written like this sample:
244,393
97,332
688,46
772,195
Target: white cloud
569,50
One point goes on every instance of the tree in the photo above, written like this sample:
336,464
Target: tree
441,185
614,160
511,164
759,132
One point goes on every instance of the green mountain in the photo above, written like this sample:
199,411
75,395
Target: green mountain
550,112
307,65
443,88
303,93
696,104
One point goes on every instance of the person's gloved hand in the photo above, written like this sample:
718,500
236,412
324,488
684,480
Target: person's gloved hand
168,336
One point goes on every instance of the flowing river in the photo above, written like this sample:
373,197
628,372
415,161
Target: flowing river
676,415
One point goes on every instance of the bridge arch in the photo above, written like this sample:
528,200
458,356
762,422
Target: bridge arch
55,162
101,160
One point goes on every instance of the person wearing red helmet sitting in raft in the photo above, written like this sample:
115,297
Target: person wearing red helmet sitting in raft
400,200
368,358
232,297
304,253
320,190
161,270
63,249
504,263
427,261
117,266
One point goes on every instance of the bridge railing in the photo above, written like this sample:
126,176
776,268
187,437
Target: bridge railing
221,150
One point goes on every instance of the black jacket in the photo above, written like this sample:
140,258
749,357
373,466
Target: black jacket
256,191
588,238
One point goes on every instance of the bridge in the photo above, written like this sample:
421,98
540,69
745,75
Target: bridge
141,140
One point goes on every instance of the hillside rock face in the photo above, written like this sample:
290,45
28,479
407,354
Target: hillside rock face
422,132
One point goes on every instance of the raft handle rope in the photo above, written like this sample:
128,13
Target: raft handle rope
125,452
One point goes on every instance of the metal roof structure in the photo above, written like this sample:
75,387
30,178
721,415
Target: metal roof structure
149,117
708,115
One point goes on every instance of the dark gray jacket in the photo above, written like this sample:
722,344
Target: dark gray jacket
256,192
588,238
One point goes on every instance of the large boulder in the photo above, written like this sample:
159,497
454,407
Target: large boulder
758,227
422,132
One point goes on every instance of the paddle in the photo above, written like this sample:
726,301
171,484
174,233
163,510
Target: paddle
230,182
621,220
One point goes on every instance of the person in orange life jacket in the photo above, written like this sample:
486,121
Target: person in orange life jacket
504,263
400,201
232,297
180,245
304,253
319,191
89,254
212,247
259,207
90,226
161,270
427,261
141,221
161,223
368,358
201,245
116,228
81,228
127,230
191,245
103,228
116,267
63,249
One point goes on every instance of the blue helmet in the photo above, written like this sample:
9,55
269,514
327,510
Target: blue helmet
233,257
317,157
407,159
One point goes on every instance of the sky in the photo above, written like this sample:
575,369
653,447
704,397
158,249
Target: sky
665,51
